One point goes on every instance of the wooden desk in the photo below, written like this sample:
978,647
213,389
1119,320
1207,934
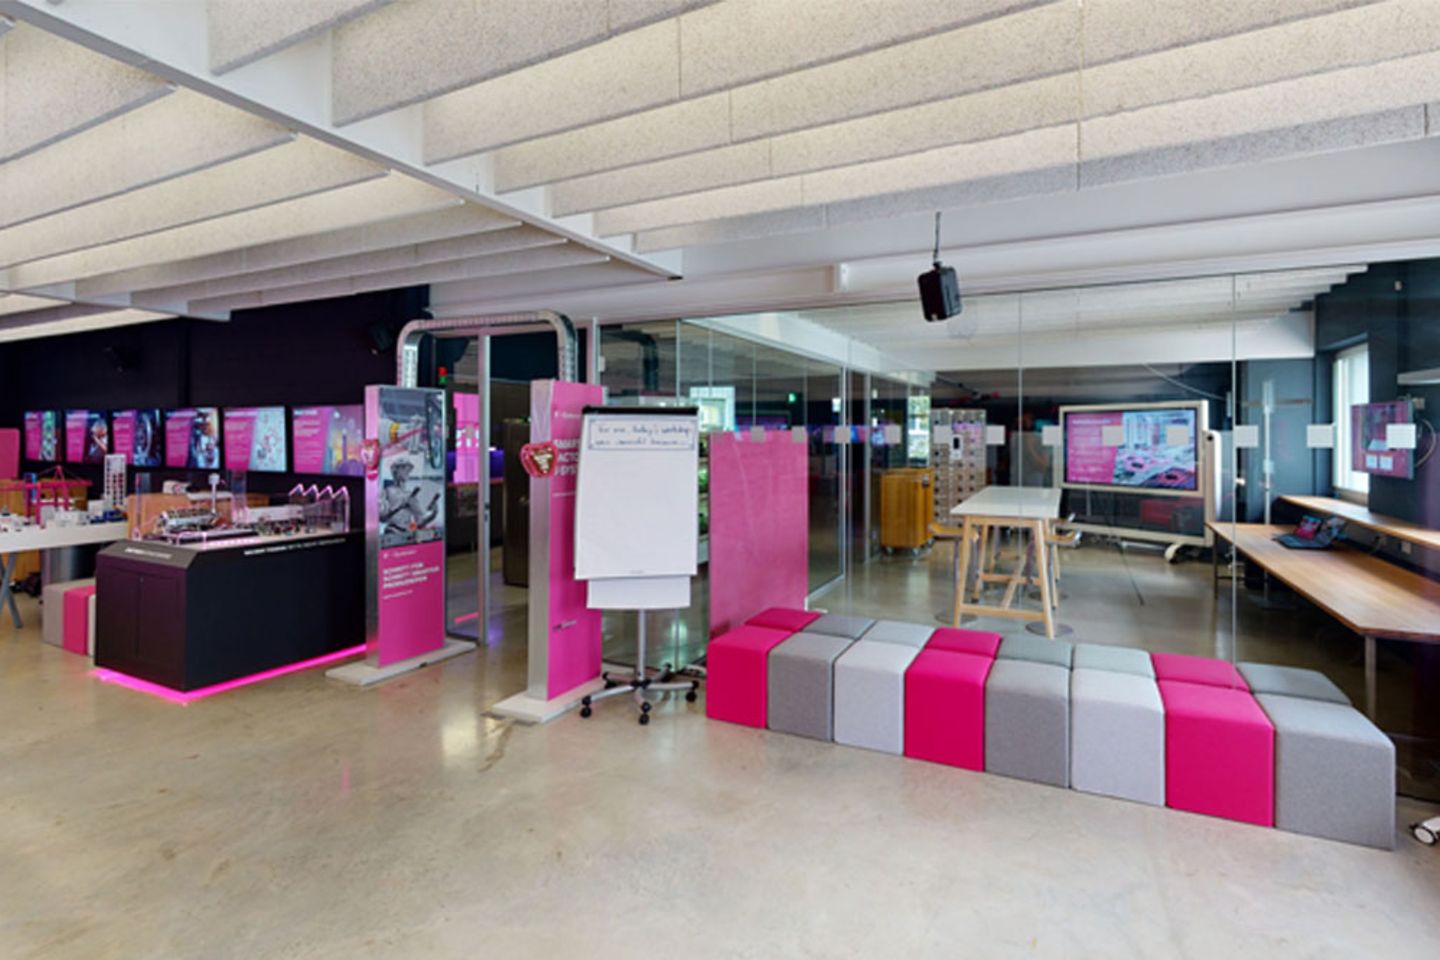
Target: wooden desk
1372,597
1364,517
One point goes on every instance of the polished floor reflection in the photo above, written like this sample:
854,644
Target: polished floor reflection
302,819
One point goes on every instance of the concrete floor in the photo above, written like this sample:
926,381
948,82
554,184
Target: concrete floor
302,819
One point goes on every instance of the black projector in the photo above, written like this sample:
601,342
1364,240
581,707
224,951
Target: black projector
940,292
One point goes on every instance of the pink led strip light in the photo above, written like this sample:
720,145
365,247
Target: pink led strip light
106,675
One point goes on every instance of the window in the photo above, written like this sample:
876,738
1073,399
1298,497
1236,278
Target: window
1352,386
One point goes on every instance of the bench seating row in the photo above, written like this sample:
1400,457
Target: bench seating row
1262,744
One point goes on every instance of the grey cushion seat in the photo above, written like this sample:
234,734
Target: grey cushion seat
1037,649
1102,656
1292,682
1334,771
1117,735
870,695
839,625
800,686
893,631
1027,721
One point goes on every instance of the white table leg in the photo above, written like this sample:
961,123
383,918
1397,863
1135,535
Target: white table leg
7,596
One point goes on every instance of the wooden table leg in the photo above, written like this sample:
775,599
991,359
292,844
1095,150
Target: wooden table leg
962,568
1042,559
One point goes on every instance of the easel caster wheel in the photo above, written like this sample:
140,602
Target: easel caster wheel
1425,835
644,719
644,708
585,711
691,695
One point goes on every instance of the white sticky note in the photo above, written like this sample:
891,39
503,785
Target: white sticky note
940,433
1112,435
1400,436
1050,436
797,434
995,435
757,434
892,434
1320,436
1177,435
1247,436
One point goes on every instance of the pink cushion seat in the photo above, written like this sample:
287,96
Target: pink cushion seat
735,674
1219,753
76,635
981,643
1205,670
784,618
945,708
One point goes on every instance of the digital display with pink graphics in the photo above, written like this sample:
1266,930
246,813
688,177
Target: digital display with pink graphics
138,436
255,439
87,436
1133,448
42,435
327,440
1371,451
192,438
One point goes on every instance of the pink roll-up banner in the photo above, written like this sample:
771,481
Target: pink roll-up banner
565,634
404,458
759,525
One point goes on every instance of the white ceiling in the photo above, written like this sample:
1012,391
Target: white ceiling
196,158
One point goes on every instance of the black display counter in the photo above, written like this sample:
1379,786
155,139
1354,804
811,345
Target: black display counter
189,617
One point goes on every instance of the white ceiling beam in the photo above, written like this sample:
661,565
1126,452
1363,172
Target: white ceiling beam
60,321
444,224
242,31
389,197
286,172
545,258
175,135
20,303
460,297
51,89
354,265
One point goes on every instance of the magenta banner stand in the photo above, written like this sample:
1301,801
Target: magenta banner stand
404,459
565,638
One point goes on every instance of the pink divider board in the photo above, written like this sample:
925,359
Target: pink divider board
759,526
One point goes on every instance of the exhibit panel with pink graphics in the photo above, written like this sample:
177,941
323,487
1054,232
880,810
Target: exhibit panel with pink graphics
565,634
759,526
255,439
404,459
327,440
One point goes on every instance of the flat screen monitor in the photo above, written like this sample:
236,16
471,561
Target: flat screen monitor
192,438
138,436
87,436
42,435
255,439
327,440
1135,448
1370,453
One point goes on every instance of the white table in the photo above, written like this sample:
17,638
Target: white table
53,537
1033,509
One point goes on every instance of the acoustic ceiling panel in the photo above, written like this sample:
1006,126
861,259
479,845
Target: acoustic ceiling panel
285,172
688,174
242,31
345,207
20,303
175,135
51,88
60,321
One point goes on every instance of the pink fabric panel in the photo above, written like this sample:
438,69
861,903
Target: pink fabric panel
735,674
784,618
76,635
1187,669
9,454
1219,753
979,642
759,526
945,708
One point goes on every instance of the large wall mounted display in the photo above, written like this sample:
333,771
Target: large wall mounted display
1371,451
327,440
404,456
42,435
138,436
1149,448
255,439
192,438
188,617
87,436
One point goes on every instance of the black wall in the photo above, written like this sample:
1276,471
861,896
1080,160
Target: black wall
310,353
1395,309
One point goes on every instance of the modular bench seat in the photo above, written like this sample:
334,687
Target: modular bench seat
1258,743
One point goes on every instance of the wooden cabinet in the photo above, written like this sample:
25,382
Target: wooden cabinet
907,505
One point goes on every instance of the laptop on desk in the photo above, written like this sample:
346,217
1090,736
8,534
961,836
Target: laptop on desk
1312,533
